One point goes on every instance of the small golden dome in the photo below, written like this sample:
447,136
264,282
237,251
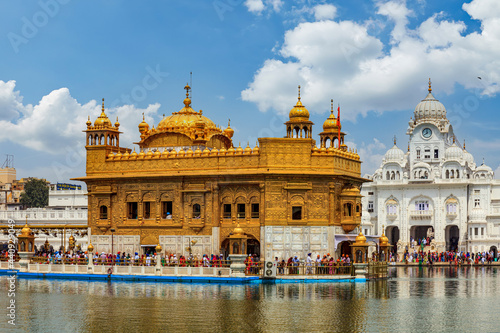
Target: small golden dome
149,154
90,248
330,124
173,153
26,231
222,151
231,151
102,120
239,150
141,155
197,152
126,155
315,149
181,153
157,154
229,132
384,241
118,156
117,124
133,155
256,148
206,152
322,150
143,126
189,152
299,110
360,239
164,153
158,248
214,152
111,156
247,150
89,123
238,230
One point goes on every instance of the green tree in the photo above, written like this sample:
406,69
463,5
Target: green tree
36,193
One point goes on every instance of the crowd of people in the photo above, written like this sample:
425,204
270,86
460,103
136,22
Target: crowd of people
452,257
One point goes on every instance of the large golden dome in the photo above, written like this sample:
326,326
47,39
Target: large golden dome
185,128
186,118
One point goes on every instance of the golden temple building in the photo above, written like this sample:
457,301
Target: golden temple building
186,187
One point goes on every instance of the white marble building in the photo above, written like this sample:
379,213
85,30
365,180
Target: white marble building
435,187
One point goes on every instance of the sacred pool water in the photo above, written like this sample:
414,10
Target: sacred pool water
414,300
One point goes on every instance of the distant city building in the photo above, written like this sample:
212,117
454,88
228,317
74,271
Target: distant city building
65,215
434,190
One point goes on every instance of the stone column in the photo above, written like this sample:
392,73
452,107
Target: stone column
237,265
25,258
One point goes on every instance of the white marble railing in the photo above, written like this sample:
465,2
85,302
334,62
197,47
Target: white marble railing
45,215
421,213
128,270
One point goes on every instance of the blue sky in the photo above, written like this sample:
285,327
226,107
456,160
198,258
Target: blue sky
60,57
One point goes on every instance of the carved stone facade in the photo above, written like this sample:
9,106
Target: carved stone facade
189,198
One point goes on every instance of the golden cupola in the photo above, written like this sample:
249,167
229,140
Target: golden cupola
186,127
103,120
143,126
330,124
299,111
229,132
331,134
299,125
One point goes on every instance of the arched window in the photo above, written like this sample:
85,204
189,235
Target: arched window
103,212
458,174
447,174
393,175
348,209
398,177
452,174
196,211
388,175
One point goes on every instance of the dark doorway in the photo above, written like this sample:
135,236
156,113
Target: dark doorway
494,250
452,237
393,235
253,247
345,249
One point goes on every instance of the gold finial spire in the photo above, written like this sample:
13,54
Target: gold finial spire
299,92
430,88
331,107
394,140
187,87
453,139
408,146
103,105
464,144
228,122
143,116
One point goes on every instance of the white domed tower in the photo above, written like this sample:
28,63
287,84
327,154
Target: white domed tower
431,135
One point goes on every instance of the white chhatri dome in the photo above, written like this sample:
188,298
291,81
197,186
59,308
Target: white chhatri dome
394,154
453,152
429,108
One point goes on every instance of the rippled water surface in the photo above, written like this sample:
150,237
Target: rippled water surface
413,300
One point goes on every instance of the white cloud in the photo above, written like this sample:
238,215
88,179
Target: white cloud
340,60
324,12
258,6
55,124
255,6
